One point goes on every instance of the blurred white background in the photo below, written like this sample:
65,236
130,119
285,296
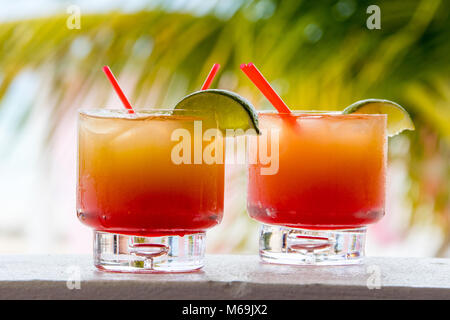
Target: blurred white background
38,179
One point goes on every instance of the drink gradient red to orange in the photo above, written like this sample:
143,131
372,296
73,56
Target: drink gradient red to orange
332,171
128,184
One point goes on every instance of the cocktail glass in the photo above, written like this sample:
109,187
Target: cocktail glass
148,204
328,185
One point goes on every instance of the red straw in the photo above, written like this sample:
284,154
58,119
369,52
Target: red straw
211,76
116,87
261,83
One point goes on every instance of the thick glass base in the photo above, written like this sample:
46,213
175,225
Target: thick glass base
285,245
122,253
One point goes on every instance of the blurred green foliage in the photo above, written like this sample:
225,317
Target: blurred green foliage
318,54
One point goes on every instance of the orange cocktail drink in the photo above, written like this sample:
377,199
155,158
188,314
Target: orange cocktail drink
132,187
330,184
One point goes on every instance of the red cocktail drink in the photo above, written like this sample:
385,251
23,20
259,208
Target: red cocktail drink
329,185
138,197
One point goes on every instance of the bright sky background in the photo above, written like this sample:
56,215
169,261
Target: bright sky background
23,9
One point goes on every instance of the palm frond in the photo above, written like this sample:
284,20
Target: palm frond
317,55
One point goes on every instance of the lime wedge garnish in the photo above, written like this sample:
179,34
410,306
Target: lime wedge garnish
230,109
398,118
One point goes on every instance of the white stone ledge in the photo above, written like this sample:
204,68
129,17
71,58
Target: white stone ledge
226,277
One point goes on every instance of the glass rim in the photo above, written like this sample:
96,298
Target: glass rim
124,110
124,114
320,113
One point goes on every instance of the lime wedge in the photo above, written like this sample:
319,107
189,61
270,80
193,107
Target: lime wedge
230,109
398,118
